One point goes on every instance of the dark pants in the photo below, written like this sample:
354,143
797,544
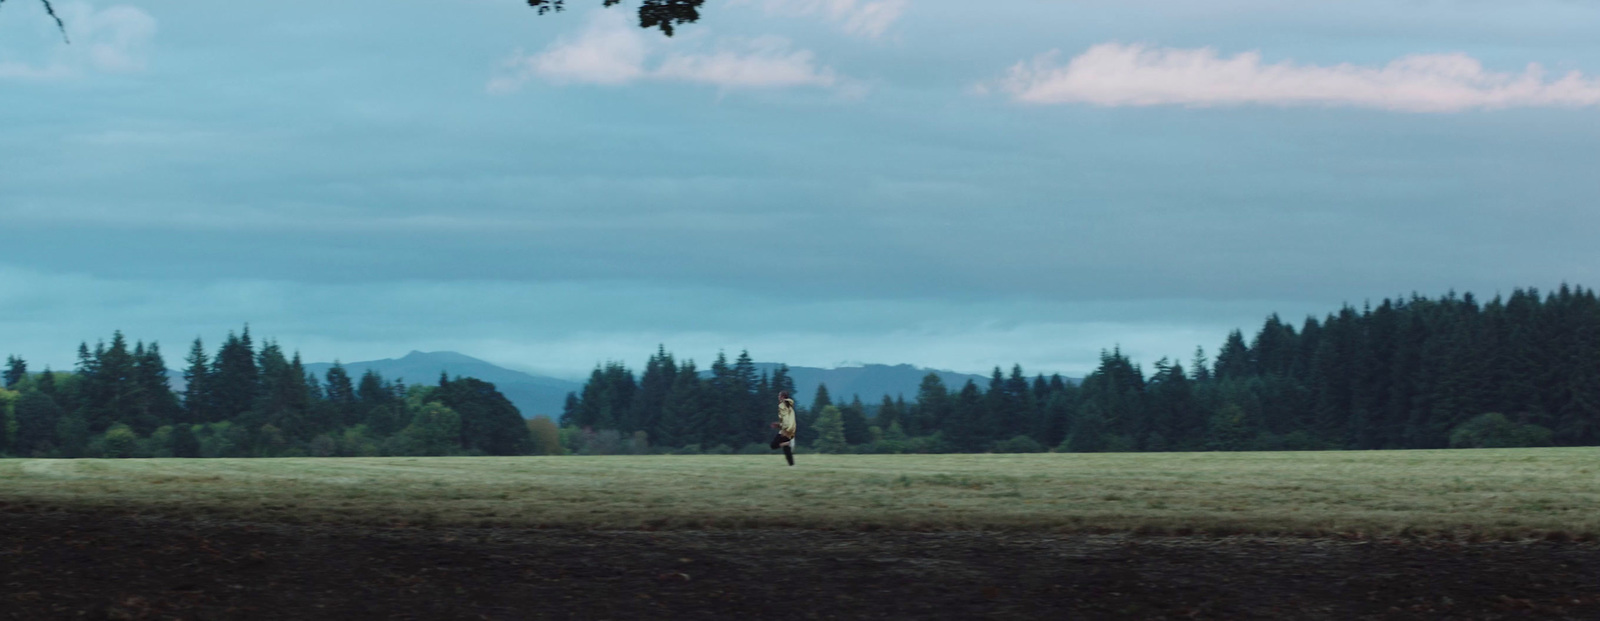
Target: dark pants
788,449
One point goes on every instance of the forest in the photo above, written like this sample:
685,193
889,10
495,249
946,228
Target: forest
245,402
1523,370
1409,373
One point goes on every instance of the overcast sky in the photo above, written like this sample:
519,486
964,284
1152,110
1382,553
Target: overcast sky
816,181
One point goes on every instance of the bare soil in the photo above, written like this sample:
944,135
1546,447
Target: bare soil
76,565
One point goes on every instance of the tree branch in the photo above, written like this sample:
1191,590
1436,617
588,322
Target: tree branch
663,14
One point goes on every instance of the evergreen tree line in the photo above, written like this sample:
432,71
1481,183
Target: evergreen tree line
245,401
1408,373
671,405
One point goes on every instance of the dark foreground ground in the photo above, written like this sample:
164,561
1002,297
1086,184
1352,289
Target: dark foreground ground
83,566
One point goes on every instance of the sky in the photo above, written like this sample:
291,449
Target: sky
943,183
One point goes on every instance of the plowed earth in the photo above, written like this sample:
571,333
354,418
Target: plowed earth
74,565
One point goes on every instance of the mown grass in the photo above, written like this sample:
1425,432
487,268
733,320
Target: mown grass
1498,493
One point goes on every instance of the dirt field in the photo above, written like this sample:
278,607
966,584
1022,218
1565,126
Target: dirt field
1342,535
76,565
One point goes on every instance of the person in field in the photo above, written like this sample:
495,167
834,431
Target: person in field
785,426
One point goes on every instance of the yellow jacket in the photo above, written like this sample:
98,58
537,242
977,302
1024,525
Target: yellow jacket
786,424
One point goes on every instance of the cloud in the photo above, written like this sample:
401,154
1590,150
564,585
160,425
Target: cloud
110,40
610,51
116,37
865,18
763,63
1113,74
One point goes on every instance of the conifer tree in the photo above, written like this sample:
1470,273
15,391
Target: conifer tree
830,431
1233,361
1021,408
1199,366
152,402
682,411
854,418
932,407
821,399
341,395
571,410
659,374
888,414
963,423
782,382
750,407
106,383
383,410
906,418
235,379
37,416
996,416
1088,431
197,385
47,385
16,369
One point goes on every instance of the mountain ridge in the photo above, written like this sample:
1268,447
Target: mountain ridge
534,395
542,395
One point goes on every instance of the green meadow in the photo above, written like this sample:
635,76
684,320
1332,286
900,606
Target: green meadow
1488,493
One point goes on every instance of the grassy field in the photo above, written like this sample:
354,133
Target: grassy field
1467,493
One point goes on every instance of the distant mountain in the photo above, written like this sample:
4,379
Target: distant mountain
871,381
534,395
537,395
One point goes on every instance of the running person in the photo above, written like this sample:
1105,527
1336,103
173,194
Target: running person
785,426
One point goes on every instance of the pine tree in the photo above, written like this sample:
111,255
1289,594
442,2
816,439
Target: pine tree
808,416
821,399
152,401
1088,432
235,380
752,409
782,382
907,418
932,405
1170,400
197,386
830,431
1199,366
659,373
962,425
106,378
888,414
1022,409
1116,389
854,417
571,411
16,369
997,413
37,416
382,410
282,400
1057,413
682,411
1234,359
47,384
1331,367
341,394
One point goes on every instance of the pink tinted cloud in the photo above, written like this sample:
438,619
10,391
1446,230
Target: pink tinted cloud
1113,74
